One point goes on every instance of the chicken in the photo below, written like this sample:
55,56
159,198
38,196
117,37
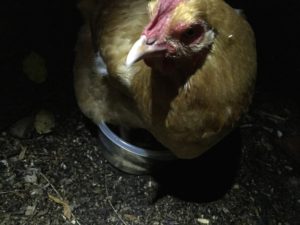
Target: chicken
184,70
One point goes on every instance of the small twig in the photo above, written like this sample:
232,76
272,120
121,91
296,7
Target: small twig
59,200
111,205
272,116
52,186
8,192
247,125
250,125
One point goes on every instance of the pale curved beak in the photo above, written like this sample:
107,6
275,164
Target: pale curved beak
140,49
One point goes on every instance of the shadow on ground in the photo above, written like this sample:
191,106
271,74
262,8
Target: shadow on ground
206,178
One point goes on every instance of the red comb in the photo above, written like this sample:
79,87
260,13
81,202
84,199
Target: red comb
157,23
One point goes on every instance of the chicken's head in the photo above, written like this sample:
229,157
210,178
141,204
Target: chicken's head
176,34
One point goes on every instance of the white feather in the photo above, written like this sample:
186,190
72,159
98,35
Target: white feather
99,65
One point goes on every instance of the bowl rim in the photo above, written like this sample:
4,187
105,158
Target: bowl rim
133,149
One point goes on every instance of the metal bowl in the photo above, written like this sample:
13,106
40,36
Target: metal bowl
130,158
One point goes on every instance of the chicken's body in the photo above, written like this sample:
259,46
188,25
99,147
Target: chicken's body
186,109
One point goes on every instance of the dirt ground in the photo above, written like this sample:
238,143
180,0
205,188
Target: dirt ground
56,173
62,178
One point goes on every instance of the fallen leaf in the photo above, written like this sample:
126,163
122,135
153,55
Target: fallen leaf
67,210
22,153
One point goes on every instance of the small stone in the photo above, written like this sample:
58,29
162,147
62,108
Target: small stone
236,186
203,221
30,210
113,219
44,122
4,162
225,210
288,168
36,192
279,134
31,179
63,166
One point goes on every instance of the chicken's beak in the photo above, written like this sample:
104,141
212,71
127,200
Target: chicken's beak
140,50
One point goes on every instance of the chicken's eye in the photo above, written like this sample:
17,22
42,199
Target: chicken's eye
192,34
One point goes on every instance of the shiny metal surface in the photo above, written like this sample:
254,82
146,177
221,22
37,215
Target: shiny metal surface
130,158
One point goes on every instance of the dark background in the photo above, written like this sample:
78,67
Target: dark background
48,28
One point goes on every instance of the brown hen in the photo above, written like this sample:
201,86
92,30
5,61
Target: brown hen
184,69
